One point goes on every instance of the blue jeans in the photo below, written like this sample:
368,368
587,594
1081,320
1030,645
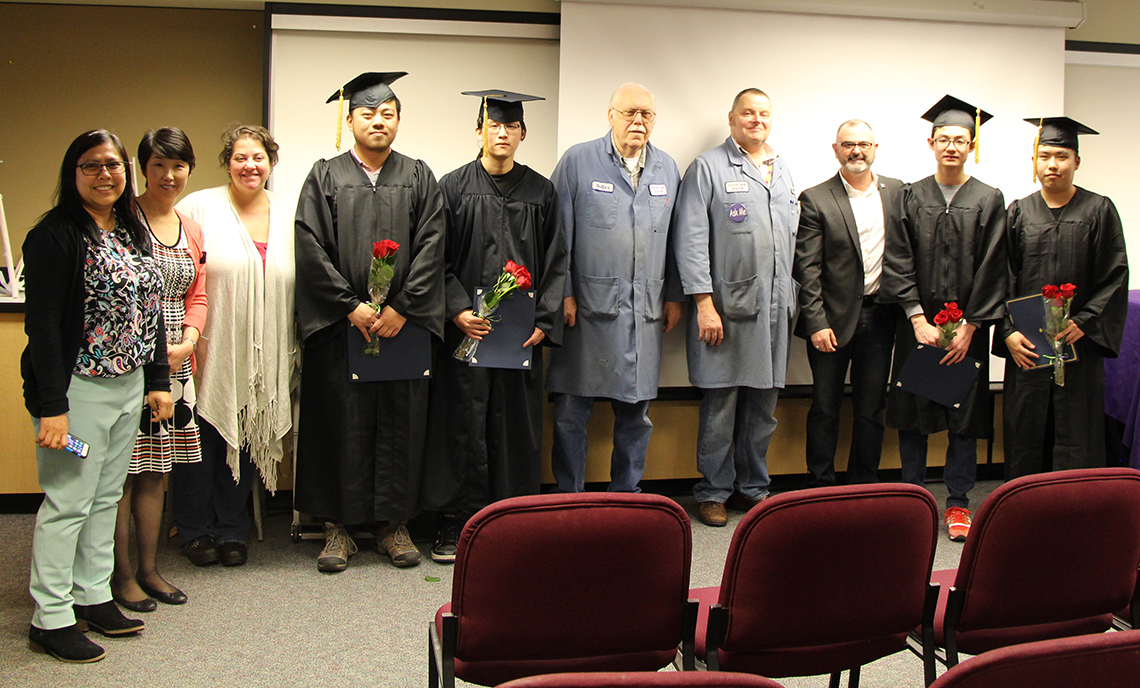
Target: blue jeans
632,429
207,500
740,416
960,473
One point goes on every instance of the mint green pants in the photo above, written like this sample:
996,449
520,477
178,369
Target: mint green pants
73,549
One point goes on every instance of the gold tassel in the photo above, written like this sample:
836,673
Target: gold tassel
486,125
977,135
339,118
1036,146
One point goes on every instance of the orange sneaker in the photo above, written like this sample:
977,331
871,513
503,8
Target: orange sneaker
958,523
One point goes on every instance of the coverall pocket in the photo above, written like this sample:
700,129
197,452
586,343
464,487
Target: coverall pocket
740,300
603,209
654,302
597,297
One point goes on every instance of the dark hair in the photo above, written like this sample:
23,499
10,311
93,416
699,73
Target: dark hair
934,129
167,142
69,203
747,92
247,131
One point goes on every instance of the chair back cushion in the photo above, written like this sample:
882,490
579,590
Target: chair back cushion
644,679
593,581
1106,660
1049,549
828,578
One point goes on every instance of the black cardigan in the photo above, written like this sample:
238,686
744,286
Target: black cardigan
55,252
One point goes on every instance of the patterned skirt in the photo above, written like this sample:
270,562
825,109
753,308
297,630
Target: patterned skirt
160,445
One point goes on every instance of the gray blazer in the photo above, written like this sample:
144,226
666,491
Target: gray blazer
829,262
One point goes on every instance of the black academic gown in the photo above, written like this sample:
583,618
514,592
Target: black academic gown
485,425
1083,247
360,445
937,254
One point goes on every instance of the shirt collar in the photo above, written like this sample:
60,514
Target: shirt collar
617,153
852,191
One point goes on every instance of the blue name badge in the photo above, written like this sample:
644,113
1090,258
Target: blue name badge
604,187
737,212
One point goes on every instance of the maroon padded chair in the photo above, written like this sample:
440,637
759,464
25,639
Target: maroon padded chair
820,581
644,679
557,583
1048,556
1105,660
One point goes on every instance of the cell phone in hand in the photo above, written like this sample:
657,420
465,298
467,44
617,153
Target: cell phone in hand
77,446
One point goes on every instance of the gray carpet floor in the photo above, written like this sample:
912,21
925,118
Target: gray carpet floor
279,622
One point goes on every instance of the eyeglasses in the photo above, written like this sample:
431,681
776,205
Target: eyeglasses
92,168
852,145
630,115
509,128
957,142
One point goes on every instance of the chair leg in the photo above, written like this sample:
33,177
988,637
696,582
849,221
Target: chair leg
433,656
689,635
929,651
836,679
441,652
853,678
714,636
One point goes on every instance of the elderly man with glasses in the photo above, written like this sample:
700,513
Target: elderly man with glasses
616,195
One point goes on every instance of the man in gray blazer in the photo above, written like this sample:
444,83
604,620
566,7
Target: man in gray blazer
839,258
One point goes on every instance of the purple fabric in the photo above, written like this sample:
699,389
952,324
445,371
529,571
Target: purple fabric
1122,380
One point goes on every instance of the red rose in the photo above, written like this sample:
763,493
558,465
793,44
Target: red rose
1050,291
942,318
383,249
1067,290
522,277
510,267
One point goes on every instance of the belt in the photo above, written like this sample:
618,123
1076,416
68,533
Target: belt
869,299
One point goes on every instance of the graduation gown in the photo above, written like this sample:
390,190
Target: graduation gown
360,444
1084,246
941,253
485,425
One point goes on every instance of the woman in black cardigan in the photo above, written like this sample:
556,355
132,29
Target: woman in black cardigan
96,346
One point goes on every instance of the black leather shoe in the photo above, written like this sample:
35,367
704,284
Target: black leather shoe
738,502
67,644
176,597
146,604
232,553
106,619
201,551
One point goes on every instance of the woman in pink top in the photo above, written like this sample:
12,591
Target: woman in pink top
166,159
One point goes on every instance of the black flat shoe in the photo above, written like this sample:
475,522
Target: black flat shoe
201,551
176,597
106,619
146,604
67,644
232,553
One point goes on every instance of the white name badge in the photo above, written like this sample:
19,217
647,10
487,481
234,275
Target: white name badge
604,187
736,187
657,190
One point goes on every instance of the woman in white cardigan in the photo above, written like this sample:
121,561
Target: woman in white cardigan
247,355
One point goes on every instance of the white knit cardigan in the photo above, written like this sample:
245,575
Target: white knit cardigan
247,356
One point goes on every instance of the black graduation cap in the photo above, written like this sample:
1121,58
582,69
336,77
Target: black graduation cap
1059,131
369,90
502,106
954,112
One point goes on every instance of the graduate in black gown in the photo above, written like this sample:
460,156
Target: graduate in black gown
1063,234
949,247
485,437
360,445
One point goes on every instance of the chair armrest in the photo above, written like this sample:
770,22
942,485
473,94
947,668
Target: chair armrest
718,626
689,635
